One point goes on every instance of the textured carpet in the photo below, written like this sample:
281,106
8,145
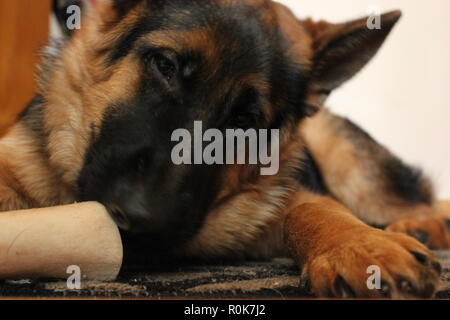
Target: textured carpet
275,279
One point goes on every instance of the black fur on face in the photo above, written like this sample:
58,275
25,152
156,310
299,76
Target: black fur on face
244,81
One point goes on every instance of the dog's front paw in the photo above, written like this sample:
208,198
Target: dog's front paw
407,269
431,231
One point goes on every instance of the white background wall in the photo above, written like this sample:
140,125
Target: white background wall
403,97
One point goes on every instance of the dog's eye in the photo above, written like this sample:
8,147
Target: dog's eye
164,65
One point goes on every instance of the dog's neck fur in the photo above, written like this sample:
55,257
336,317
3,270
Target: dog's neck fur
33,158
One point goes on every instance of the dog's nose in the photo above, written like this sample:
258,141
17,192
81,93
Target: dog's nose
134,217
119,216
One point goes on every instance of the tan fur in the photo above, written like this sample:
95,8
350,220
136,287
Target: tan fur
27,179
71,128
362,191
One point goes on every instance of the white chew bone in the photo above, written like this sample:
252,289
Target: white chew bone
43,243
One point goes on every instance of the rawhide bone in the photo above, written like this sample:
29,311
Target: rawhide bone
44,243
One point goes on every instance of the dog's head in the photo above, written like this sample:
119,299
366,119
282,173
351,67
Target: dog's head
140,69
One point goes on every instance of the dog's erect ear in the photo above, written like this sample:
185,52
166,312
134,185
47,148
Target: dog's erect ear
342,50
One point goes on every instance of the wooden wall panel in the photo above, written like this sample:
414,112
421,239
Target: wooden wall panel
23,31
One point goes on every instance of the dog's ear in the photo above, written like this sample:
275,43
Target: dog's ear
342,50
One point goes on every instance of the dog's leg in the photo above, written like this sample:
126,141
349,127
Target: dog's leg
10,191
373,183
338,253
26,178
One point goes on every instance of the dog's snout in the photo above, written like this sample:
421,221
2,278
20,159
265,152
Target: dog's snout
135,217
119,216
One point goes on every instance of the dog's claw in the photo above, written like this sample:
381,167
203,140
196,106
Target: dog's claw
406,286
305,284
420,235
422,258
385,289
343,289
437,267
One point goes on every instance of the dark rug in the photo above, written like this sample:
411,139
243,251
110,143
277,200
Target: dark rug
276,279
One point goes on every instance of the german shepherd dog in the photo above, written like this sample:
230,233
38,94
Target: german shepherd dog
111,96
